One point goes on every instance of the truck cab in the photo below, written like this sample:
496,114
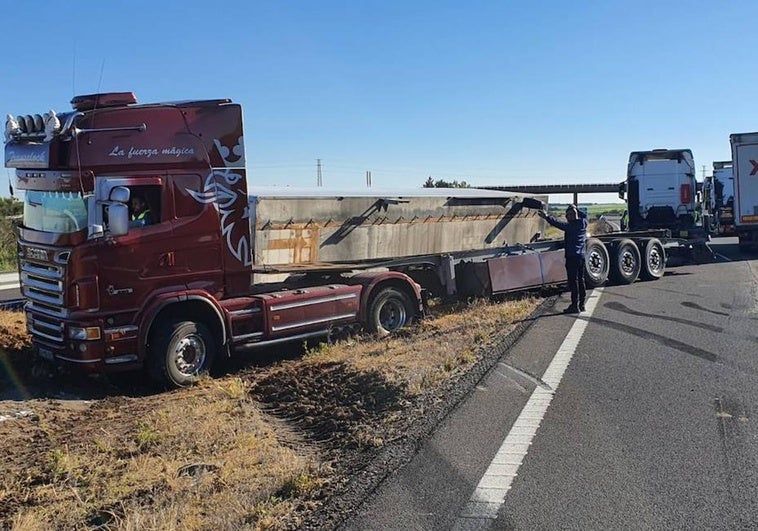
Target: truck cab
661,191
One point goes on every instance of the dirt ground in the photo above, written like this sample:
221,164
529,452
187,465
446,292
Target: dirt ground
289,439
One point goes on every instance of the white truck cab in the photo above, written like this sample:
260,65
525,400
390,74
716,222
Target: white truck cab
661,190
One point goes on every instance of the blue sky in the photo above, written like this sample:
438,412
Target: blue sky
490,92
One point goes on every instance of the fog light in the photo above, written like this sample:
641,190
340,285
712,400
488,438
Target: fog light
88,333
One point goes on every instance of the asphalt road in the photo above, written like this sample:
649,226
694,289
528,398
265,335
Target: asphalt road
653,425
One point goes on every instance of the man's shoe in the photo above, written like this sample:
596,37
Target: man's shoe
581,307
571,309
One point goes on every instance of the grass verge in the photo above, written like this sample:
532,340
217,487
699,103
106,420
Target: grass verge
260,449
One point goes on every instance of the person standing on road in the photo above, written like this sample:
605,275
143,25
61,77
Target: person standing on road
575,238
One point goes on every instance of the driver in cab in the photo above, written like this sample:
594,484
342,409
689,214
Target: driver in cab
140,212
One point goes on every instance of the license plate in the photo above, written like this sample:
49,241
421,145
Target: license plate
45,354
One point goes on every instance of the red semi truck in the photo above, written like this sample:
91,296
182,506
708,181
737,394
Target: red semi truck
218,270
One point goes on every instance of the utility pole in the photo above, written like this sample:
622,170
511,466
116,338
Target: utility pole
319,180
368,179
703,172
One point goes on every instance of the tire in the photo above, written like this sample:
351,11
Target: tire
653,259
182,352
596,263
625,261
390,310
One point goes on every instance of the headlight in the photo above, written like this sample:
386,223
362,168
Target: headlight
88,333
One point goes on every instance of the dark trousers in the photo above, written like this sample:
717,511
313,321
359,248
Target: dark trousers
575,273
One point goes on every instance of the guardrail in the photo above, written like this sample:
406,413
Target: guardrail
12,305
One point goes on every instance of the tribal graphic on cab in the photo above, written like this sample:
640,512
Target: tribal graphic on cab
227,190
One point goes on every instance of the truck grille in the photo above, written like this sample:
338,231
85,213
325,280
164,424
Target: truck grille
42,284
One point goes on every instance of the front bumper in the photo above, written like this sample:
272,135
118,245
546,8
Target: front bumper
116,350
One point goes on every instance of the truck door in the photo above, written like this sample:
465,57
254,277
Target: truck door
133,265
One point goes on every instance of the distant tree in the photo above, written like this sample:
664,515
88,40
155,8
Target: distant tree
440,183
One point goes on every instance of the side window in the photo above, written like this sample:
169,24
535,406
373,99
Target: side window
144,206
185,205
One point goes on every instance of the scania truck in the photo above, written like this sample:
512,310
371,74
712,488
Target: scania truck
219,267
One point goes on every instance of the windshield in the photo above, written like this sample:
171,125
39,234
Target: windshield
60,212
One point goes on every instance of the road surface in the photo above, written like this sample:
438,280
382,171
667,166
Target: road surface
639,414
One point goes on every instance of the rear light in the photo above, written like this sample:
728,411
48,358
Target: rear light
685,194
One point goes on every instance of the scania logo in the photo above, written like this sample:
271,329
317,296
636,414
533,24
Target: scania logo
36,254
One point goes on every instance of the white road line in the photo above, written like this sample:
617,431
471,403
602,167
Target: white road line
481,510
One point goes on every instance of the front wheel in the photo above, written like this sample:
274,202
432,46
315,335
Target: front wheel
390,310
181,353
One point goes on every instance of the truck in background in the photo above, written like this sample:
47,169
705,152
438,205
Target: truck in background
745,159
661,195
721,197
661,192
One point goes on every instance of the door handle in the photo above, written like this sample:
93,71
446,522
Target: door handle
167,259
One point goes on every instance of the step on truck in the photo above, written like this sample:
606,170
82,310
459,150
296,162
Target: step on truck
745,159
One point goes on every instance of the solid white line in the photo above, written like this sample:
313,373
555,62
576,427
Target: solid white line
484,504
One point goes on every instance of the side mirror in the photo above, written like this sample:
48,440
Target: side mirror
118,218
622,190
120,194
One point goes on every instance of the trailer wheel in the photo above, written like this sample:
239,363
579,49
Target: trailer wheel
389,310
181,353
653,259
596,263
625,261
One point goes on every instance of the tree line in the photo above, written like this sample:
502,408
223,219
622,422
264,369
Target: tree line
441,183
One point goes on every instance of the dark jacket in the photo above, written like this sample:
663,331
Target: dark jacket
576,233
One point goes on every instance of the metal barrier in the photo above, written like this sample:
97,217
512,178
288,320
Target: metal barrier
13,305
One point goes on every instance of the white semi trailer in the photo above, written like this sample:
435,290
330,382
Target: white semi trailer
745,158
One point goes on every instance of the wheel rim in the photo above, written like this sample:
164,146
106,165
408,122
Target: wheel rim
596,264
655,261
189,355
392,315
628,262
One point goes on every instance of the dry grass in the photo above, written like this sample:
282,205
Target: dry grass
235,452
200,458
434,348
13,336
